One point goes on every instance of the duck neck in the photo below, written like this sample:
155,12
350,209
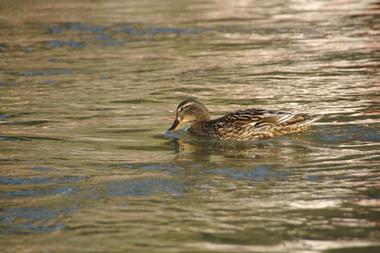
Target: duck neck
202,116
198,127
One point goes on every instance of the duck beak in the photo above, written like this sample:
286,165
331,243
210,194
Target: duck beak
176,125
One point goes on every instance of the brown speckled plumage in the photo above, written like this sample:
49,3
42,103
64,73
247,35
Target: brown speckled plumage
247,124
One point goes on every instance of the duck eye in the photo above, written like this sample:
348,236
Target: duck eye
180,109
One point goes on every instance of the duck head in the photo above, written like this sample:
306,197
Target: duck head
189,111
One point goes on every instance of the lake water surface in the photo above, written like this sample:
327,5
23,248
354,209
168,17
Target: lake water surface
87,89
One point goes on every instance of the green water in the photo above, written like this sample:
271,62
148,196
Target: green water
87,89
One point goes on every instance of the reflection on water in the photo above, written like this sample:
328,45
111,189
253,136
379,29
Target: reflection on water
88,89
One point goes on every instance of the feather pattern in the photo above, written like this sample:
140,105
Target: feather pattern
247,124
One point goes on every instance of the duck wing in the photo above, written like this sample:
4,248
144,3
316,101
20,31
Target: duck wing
260,123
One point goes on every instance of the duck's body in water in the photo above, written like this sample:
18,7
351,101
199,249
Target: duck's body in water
249,124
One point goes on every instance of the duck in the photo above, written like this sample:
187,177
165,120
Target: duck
241,125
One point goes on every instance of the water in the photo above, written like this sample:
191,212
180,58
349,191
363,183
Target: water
89,87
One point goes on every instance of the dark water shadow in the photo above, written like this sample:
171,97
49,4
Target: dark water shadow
23,220
187,146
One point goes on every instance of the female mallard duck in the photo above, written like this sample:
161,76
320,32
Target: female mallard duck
240,125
